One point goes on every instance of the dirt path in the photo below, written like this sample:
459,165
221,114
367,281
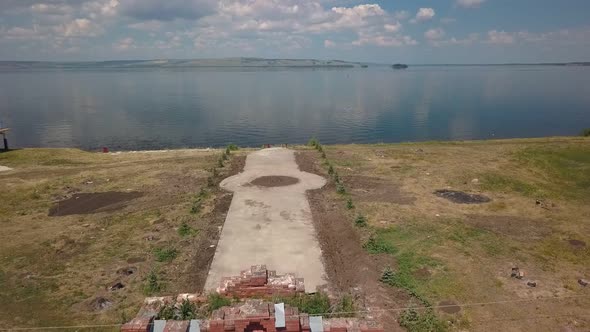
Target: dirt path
269,221
349,267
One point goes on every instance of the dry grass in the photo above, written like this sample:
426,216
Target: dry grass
53,267
464,253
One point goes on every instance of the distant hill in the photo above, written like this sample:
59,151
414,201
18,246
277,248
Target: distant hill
171,63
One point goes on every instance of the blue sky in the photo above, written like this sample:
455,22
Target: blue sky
409,31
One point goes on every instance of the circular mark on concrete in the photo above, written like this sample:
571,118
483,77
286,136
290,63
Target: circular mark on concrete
449,307
274,181
460,197
577,243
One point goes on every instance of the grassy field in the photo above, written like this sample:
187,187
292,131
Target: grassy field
538,219
57,270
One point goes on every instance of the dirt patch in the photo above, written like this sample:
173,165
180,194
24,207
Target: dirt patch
87,203
578,244
460,197
348,266
199,269
274,181
373,189
449,307
514,227
422,273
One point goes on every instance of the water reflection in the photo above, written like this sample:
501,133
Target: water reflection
150,109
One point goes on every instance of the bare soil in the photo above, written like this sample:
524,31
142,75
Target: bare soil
577,243
449,307
460,197
374,189
274,181
349,267
87,203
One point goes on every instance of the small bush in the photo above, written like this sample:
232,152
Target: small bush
187,310
152,283
377,246
210,182
340,188
196,207
586,132
313,304
227,151
313,142
223,157
186,230
360,221
220,162
349,204
320,148
388,276
323,155
426,321
217,301
345,307
336,177
233,147
165,254
330,170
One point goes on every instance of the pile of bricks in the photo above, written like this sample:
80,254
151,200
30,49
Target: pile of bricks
259,282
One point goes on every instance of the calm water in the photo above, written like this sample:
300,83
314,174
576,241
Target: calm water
156,108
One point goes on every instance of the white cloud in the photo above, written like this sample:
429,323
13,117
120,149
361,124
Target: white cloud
125,44
424,14
51,9
379,39
470,39
469,3
447,20
401,15
146,25
80,27
434,34
329,44
500,37
393,27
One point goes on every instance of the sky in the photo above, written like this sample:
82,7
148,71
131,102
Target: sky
406,31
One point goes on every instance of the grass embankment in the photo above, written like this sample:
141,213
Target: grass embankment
58,270
538,220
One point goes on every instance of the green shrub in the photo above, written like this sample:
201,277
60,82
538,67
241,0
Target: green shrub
586,132
345,307
426,321
186,230
388,276
187,310
323,155
233,147
152,283
340,188
349,204
376,245
320,148
330,170
360,221
313,142
165,254
313,304
217,301
167,312
196,207
227,151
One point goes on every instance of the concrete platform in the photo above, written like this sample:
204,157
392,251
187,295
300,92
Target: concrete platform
269,225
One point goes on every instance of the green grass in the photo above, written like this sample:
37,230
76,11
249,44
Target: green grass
421,321
565,171
377,245
505,183
153,285
186,230
217,301
165,254
313,304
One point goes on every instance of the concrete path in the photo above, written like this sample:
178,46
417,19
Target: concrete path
269,225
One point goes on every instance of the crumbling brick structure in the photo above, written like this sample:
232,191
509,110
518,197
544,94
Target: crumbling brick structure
249,316
260,282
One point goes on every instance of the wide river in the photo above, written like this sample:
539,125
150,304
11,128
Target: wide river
172,108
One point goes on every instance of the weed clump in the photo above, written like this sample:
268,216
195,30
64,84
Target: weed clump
186,310
415,321
314,304
377,246
217,301
233,147
360,221
586,132
340,188
349,204
165,254
152,283
313,142
186,230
